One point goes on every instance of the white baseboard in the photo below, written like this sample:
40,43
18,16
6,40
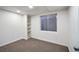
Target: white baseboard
71,48
3,44
50,41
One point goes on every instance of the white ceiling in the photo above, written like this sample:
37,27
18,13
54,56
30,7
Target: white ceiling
34,11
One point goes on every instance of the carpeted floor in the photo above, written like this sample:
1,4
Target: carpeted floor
33,45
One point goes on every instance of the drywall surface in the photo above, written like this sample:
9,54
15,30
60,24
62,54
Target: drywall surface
12,27
74,26
59,37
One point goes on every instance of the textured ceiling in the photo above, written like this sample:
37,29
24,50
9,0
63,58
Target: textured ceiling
34,11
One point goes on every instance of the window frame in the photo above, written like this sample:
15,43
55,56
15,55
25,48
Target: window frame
47,23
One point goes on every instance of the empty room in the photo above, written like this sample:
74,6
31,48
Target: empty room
39,28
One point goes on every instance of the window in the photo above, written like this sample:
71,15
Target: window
49,23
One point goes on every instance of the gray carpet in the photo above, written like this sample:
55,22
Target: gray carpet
33,45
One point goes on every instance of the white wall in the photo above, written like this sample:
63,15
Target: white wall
12,27
74,26
59,37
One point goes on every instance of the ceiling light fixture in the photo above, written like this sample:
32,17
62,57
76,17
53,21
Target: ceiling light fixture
18,11
30,7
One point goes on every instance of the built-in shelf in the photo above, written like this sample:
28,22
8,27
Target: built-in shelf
29,27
